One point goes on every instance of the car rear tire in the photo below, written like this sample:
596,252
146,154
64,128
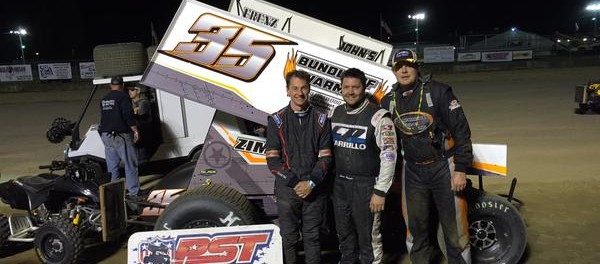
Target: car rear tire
497,232
211,205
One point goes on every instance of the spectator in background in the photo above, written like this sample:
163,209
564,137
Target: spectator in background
119,132
143,115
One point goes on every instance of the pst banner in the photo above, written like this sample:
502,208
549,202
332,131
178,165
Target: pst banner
235,244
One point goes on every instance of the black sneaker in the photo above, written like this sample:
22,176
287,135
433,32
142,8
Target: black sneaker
135,198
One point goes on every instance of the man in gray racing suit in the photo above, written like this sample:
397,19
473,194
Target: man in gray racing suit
365,158
436,143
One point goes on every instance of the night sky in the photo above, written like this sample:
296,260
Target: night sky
69,29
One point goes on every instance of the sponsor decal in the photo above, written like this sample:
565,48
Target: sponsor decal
388,133
359,51
263,18
259,17
251,145
163,197
389,148
453,105
413,123
208,172
428,99
387,127
323,101
230,219
349,136
278,121
228,47
321,67
389,156
389,140
217,154
322,119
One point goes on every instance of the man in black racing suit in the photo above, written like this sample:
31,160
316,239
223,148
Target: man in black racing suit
299,155
365,159
436,141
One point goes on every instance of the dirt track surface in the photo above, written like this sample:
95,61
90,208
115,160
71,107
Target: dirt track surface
552,153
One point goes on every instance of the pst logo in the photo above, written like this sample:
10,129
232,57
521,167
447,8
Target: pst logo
156,250
228,47
229,247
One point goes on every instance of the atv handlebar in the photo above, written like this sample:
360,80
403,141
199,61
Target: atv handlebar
55,165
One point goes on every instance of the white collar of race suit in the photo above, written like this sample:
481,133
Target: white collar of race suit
359,109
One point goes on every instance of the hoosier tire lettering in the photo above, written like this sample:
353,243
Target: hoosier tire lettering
492,204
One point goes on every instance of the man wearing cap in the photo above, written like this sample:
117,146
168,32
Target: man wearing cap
142,111
364,147
435,137
119,132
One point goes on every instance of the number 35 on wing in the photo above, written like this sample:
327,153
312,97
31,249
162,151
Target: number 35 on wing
235,244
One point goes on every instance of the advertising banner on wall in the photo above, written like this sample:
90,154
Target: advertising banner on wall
438,54
87,70
496,56
469,56
522,55
15,73
55,71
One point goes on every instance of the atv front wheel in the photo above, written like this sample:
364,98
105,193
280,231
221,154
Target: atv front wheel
4,230
59,242
583,108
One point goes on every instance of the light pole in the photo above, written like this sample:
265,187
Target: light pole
21,32
417,17
595,7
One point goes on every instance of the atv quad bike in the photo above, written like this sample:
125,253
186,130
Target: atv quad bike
588,97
